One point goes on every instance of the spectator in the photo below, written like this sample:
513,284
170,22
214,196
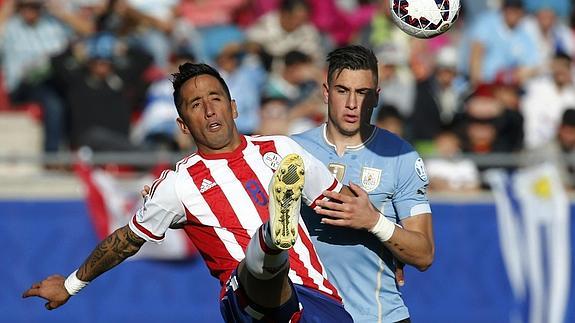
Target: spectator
489,126
97,90
157,128
545,100
551,35
501,47
243,73
560,151
447,170
274,117
297,82
560,7
30,35
438,98
396,88
287,29
389,118
382,32
340,23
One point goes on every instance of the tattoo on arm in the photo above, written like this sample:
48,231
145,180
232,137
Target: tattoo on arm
118,246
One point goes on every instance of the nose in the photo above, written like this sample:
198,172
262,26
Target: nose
352,101
209,110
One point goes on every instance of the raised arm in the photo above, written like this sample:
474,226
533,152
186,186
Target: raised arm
412,243
117,247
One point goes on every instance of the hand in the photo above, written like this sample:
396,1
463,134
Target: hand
51,289
145,191
399,273
354,212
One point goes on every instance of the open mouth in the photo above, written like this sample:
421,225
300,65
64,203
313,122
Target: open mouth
214,126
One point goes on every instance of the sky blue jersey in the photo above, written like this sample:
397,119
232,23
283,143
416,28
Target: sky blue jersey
357,262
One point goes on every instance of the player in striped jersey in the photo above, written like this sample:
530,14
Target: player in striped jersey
250,235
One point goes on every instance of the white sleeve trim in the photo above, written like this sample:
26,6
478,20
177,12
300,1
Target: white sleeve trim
420,209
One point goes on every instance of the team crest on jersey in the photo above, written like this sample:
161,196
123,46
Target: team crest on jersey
272,160
420,169
370,178
338,170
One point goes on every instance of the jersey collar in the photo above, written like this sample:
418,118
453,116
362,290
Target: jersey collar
238,152
349,148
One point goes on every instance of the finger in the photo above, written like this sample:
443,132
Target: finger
330,213
31,292
399,276
356,189
334,222
330,205
147,189
49,306
336,196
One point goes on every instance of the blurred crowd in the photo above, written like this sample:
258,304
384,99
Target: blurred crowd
500,81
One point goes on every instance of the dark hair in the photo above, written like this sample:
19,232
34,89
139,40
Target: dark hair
568,118
290,5
387,111
188,71
561,55
294,57
351,57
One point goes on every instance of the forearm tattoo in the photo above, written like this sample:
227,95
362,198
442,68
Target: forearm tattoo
118,246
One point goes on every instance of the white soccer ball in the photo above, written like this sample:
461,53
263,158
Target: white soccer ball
424,18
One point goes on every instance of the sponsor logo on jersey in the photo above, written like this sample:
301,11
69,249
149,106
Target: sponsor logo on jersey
420,169
338,170
370,178
272,160
206,185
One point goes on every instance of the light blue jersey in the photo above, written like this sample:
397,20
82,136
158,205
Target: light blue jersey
357,262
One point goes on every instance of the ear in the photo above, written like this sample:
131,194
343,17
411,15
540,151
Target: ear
325,91
376,99
234,109
182,125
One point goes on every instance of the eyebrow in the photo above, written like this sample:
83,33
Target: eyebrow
218,93
357,90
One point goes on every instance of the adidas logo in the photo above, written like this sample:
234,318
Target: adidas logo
206,185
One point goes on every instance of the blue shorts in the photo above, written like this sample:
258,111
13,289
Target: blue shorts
305,305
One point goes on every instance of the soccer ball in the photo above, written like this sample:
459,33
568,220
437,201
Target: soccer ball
424,18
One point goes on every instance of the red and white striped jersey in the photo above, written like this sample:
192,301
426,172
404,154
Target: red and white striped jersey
222,199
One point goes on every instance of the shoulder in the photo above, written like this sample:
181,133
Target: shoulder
310,136
387,143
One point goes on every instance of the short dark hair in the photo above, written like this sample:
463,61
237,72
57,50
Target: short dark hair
568,118
294,57
387,111
290,5
351,57
188,71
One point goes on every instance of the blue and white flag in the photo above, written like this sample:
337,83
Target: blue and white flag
534,232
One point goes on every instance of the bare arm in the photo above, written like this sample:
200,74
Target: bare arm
476,62
78,23
413,244
117,247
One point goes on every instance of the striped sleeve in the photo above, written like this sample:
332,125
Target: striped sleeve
161,209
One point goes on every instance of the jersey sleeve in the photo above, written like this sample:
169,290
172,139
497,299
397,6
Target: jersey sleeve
161,209
318,178
410,196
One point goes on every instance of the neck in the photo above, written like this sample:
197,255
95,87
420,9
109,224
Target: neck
342,141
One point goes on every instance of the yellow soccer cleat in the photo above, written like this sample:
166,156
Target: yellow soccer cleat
286,187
